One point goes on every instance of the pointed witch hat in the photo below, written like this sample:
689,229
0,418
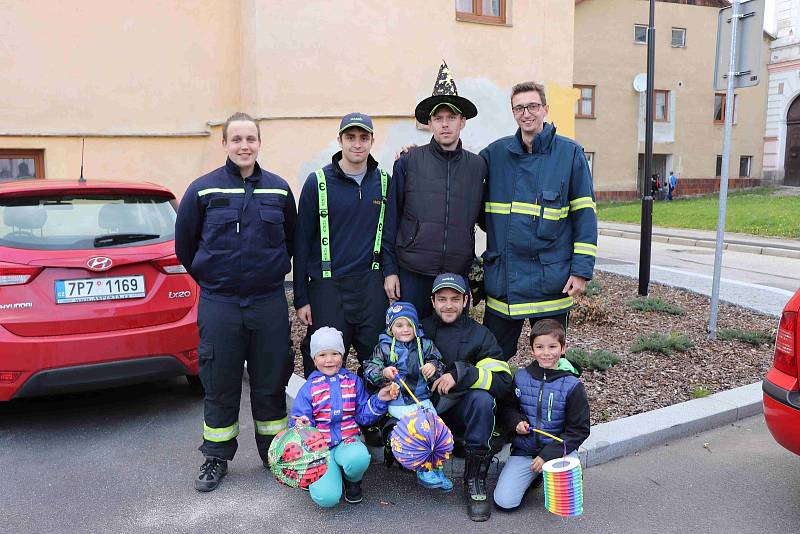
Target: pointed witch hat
444,94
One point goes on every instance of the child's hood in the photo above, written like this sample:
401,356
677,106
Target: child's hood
563,367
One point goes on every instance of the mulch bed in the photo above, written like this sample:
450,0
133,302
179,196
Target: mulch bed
645,381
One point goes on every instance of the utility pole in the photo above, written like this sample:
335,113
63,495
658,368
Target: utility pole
645,187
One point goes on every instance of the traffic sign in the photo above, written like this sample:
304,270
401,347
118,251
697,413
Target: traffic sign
749,38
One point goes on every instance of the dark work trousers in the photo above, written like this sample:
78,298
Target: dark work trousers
355,306
507,331
229,335
473,418
416,289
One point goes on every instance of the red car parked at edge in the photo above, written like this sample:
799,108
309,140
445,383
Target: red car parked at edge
91,293
781,392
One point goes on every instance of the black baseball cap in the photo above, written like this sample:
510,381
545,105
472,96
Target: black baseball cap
451,280
358,120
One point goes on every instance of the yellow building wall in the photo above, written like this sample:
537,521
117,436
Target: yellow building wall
148,84
606,56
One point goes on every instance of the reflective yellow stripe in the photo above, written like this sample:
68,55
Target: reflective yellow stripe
493,365
220,434
554,214
585,248
525,208
529,308
581,203
273,191
270,428
498,207
232,191
484,380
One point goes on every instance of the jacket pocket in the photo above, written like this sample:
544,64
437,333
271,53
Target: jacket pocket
493,274
550,221
205,354
220,227
556,265
409,228
272,225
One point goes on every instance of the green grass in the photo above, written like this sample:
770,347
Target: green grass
598,360
655,304
698,392
663,343
752,337
753,211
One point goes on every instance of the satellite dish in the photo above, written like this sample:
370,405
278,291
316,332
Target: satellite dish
640,82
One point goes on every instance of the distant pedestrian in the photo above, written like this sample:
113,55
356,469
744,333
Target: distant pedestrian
673,183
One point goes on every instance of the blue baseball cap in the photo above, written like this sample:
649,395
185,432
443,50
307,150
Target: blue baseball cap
357,120
451,280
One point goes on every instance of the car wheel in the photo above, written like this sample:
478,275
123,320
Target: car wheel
195,385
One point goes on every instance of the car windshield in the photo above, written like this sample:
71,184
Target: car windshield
83,221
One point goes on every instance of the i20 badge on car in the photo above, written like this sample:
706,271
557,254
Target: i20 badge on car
99,263
179,294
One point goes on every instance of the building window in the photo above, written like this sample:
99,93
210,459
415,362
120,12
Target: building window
719,108
584,106
488,11
678,37
640,33
744,165
718,171
661,105
16,164
590,161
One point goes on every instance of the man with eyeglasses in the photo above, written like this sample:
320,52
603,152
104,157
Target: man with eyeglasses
434,201
541,222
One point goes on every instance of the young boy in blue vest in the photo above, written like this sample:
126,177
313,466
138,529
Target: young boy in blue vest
548,396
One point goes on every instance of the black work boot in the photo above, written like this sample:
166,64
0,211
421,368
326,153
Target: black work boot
352,492
211,473
476,467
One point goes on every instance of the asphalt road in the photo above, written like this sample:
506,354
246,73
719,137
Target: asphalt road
123,461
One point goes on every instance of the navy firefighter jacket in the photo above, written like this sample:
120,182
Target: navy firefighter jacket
235,236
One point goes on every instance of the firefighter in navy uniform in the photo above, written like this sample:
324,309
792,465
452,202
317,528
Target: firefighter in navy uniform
234,234
337,276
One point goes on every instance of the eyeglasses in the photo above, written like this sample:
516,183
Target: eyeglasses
532,108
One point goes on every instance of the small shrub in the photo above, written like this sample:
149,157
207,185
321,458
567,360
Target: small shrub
593,288
605,415
598,360
752,337
589,311
655,304
698,392
663,343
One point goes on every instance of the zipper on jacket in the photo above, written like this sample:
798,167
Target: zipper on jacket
359,192
446,213
539,406
550,408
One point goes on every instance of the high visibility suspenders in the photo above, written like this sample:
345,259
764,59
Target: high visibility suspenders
324,228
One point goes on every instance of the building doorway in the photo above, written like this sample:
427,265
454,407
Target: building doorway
791,168
659,167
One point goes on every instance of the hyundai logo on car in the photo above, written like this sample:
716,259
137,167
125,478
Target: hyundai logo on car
99,263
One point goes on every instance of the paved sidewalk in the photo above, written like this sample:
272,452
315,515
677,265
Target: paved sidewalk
771,246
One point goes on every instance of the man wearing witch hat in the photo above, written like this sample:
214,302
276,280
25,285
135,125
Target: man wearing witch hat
434,201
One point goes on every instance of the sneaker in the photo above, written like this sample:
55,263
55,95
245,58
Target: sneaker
211,474
445,484
352,492
431,479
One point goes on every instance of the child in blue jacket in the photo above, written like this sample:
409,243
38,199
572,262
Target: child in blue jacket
336,402
404,352
548,396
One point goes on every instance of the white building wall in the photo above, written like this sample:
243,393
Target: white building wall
784,85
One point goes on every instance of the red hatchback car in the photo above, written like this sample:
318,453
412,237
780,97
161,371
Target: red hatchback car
781,392
91,293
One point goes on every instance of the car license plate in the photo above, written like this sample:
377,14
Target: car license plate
94,289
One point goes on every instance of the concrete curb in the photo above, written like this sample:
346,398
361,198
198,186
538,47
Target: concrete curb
752,247
629,435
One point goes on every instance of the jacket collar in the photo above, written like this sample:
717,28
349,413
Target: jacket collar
437,149
564,368
234,171
372,164
541,143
